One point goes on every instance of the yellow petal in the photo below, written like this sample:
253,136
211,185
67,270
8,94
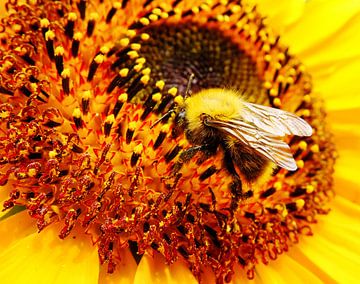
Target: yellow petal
20,225
333,252
44,258
281,14
154,270
124,273
339,89
320,20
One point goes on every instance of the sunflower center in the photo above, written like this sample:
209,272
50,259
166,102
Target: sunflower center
81,142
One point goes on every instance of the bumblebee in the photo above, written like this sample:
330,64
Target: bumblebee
251,135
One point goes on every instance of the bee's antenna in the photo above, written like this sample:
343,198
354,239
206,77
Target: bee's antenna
188,87
165,116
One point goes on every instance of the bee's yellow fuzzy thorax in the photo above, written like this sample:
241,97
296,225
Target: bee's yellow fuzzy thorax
216,103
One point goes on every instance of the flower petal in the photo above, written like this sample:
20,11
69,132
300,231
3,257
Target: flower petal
124,273
48,259
333,252
20,225
154,270
321,19
283,14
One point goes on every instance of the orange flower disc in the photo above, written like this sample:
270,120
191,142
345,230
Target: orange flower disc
83,82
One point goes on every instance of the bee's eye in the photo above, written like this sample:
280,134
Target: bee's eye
204,117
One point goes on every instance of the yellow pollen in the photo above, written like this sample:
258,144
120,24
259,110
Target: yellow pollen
307,98
153,17
144,36
267,85
160,84
195,10
72,16
99,59
78,36
135,46
133,54
278,185
173,91
300,164
315,148
306,112
156,97
138,67
117,5
157,11
138,149
300,203
165,128
86,95
310,188
110,119
145,79
277,102
123,97
140,60
132,125
76,113
146,71
273,92
302,145
124,72
124,42
49,35
235,8
31,172
205,7
59,51
94,16
144,21
179,100
267,57
182,142
164,15
65,73
44,23
266,48
52,154
104,49
290,80
131,33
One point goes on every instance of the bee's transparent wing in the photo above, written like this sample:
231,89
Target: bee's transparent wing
275,121
272,147
262,128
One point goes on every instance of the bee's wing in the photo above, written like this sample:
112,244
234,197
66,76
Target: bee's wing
275,121
270,146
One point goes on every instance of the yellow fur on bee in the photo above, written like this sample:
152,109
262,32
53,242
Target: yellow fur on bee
216,103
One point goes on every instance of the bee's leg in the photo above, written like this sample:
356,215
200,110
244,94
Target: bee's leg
188,154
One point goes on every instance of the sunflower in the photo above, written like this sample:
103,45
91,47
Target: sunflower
99,179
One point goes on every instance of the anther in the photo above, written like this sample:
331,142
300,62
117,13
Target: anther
109,121
85,101
77,118
69,27
119,103
49,42
130,131
76,44
94,65
136,154
162,135
59,59
116,6
91,23
137,85
65,82
149,104
208,173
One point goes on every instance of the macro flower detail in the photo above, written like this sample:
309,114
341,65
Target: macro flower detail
88,144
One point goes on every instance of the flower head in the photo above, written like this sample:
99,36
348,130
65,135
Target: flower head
84,143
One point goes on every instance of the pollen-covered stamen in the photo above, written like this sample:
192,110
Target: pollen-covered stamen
69,27
65,82
49,41
91,23
161,137
59,59
77,117
75,45
130,131
138,149
109,121
94,65
119,103
116,6
82,8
